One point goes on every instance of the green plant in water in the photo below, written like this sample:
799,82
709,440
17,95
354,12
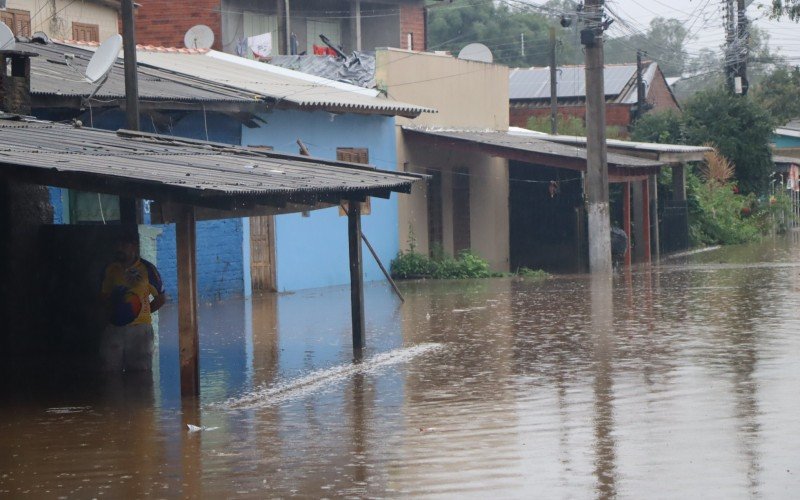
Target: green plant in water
533,274
411,264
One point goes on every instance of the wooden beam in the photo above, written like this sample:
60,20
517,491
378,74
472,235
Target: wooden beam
626,219
646,220
188,338
652,183
356,274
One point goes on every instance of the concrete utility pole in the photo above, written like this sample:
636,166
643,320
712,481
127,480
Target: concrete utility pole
553,84
743,47
596,155
730,55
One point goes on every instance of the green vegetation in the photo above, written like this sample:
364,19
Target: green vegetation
779,94
411,265
570,125
533,274
738,127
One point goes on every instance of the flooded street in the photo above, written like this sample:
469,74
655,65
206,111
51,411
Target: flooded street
681,381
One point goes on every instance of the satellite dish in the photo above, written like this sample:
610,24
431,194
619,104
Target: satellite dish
7,40
476,52
199,37
102,60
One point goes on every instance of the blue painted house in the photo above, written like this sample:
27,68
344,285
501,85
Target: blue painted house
222,98
787,136
334,121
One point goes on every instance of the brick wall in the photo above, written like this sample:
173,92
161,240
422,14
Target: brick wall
412,20
220,271
660,96
165,22
617,115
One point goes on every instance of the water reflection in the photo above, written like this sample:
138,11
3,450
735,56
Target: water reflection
678,379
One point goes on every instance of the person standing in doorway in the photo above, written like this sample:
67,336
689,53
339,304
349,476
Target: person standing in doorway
128,285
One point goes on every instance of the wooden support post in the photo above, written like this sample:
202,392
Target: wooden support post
356,273
131,74
652,187
626,219
188,341
679,182
646,221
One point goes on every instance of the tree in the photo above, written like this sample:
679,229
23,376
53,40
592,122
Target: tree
496,26
779,94
738,127
664,42
788,8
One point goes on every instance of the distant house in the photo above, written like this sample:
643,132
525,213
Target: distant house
787,136
351,24
89,20
529,92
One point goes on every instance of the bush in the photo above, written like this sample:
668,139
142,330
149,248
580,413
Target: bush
411,265
533,274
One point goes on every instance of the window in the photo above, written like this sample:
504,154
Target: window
83,32
354,155
18,20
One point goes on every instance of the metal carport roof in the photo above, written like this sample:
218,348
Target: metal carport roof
168,169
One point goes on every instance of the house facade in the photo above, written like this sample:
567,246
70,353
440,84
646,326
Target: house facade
529,93
89,20
290,26
465,204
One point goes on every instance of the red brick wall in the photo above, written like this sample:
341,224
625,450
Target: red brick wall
165,22
618,115
412,20
660,96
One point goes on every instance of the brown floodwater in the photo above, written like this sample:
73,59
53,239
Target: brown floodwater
677,381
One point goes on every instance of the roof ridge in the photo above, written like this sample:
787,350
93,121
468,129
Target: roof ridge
141,47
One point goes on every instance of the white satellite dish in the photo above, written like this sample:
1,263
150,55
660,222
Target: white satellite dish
476,52
102,60
199,37
7,40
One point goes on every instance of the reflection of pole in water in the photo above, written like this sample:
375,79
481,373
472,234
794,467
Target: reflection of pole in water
191,449
602,324
358,422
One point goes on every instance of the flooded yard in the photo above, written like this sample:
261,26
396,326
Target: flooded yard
676,381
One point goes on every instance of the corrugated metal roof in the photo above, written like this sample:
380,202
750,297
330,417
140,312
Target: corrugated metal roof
650,147
195,169
532,144
280,84
534,83
51,75
358,69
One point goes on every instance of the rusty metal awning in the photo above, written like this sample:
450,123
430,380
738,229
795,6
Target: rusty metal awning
174,170
529,149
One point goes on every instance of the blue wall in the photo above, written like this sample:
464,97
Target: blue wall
312,251
220,263
782,141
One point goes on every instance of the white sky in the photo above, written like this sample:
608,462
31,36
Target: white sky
704,19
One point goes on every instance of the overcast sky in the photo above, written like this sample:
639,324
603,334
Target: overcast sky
704,20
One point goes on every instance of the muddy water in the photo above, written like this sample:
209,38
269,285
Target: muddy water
681,381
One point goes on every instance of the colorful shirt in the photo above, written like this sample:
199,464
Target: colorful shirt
129,290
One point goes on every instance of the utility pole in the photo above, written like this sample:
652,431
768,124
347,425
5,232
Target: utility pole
522,44
596,155
129,51
553,84
127,205
730,54
742,47
641,96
